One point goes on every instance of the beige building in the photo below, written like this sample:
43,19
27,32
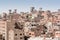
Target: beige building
15,30
3,29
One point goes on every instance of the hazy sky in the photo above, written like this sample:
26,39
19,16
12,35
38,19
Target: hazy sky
24,5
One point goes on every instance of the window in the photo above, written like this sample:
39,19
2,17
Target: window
0,36
27,16
58,21
15,34
20,37
29,33
21,34
33,24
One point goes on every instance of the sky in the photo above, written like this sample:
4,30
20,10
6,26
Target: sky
24,5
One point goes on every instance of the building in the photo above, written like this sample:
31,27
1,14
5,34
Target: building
3,29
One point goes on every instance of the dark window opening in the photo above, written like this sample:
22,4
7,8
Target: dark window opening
0,36
33,25
26,37
20,34
15,34
27,16
58,25
29,33
21,38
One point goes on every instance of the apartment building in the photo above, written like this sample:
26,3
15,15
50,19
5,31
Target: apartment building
3,29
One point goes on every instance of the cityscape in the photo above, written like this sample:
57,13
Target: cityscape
33,25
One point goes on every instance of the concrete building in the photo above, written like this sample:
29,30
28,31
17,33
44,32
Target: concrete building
3,29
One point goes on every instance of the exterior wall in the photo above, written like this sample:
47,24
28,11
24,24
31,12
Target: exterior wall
3,26
13,33
18,34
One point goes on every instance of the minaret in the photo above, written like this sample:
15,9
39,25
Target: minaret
10,11
15,11
40,9
0,16
10,15
58,11
32,9
4,16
